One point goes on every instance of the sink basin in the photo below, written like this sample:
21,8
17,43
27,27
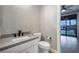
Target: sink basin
21,38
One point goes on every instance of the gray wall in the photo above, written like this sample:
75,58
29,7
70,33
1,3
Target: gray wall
25,18
49,24
1,20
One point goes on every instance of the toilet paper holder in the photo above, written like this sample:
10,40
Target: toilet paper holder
49,37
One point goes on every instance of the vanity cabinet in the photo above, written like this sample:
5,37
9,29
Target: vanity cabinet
27,47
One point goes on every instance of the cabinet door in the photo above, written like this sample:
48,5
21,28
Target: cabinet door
32,49
23,47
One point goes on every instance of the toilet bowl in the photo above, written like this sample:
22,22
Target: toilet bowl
43,47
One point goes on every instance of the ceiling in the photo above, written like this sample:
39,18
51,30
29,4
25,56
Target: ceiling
70,8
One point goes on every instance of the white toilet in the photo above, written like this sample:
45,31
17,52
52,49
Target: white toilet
43,47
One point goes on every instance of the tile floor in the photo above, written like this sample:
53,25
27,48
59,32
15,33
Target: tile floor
69,44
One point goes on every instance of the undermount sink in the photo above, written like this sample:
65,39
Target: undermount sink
21,38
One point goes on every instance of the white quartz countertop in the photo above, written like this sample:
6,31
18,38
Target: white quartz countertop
12,40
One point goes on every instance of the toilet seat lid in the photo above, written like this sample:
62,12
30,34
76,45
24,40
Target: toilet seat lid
44,44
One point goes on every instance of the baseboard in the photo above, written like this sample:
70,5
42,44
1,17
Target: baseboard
53,50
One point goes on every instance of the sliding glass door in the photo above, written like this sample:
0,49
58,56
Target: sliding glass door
69,25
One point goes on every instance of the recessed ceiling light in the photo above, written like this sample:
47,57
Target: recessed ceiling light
63,10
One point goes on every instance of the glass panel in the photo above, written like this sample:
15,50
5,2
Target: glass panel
67,22
73,22
69,26
63,26
73,27
63,23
